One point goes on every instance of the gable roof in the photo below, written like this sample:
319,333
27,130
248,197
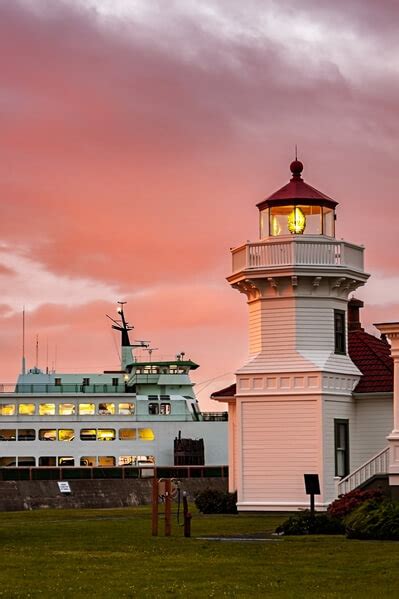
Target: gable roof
370,354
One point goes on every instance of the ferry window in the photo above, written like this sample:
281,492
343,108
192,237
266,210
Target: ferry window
106,408
153,409
7,434
105,461
47,409
26,409
88,461
86,409
47,461
47,434
165,397
7,409
66,461
127,434
146,434
66,434
145,460
67,409
106,434
126,409
127,460
88,434
26,434
57,382
165,409
115,382
8,462
86,382
26,461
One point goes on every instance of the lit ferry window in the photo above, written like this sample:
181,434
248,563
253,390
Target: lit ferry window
106,434
66,434
165,409
86,409
67,409
127,460
104,460
88,434
7,434
88,461
126,409
47,409
26,434
7,409
106,408
146,434
47,461
8,462
26,461
153,409
26,409
66,461
127,434
47,434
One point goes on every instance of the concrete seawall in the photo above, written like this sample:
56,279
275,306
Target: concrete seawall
32,495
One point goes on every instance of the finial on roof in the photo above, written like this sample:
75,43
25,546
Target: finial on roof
296,166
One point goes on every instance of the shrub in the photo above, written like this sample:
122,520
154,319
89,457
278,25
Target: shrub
345,504
304,523
374,520
212,501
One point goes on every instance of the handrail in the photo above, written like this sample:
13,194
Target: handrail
378,464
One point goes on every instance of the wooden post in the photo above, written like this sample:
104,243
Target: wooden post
154,507
168,508
187,517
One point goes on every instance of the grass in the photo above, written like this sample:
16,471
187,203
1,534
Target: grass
111,554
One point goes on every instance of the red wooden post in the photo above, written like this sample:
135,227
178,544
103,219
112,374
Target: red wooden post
168,508
154,507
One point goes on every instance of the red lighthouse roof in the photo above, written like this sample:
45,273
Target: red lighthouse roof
297,191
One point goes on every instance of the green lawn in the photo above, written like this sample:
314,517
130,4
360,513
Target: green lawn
110,553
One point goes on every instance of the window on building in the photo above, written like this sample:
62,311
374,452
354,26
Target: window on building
47,409
27,461
7,409
88,434
88,461
67,409
153,409
106,409
126,409
66,434
87,409
146,434
7,434
106,434
26,434
47,434
47,461
8,462
26,409
106,461
57,382
66,461
115,382
339,332
127,434
341,436
86,382
165,409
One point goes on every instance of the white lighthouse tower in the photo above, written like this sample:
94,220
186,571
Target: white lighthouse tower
293,398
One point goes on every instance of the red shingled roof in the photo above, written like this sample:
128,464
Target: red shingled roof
371,355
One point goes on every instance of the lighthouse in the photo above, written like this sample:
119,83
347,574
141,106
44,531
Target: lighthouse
293,403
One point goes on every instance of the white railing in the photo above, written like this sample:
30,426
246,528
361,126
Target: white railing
298,251
378,464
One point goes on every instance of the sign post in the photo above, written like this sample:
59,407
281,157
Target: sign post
312,487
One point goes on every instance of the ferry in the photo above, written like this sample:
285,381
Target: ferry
140,415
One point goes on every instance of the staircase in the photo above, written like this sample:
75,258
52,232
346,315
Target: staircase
378,464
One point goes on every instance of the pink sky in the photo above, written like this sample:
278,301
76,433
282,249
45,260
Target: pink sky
135,142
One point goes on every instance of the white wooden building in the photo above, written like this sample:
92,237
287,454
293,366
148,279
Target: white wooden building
312,397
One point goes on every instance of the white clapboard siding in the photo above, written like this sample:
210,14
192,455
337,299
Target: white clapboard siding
280,443
374,422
